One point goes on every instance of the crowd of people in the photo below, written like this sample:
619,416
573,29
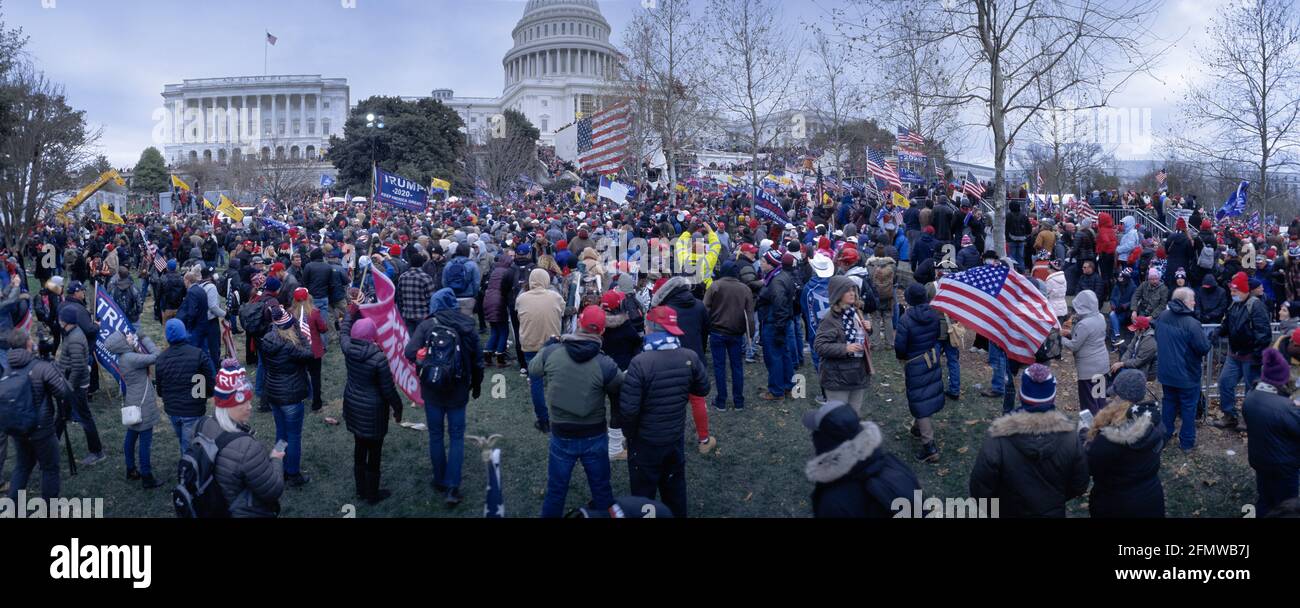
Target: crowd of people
613,311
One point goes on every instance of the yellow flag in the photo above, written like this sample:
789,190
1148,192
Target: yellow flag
441,184
901,201
107,216
207,204
176,181
228,207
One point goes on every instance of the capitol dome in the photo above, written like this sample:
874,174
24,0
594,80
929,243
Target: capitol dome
566,39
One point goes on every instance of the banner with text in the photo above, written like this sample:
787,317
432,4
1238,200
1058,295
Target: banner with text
111,319
399,191
392,334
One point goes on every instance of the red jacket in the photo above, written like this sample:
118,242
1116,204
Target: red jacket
1107,242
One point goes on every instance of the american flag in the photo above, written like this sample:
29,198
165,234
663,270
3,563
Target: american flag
270,39
971,186
1161,176
767,206
938,171
1038,174
602,140
1253,224
1085,211
908,136
1000,305
883,170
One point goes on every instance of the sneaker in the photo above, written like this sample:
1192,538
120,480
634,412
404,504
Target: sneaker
453,497
707,445
738,406
928,453
1229,422
952,396
523,371
619,456
989,393
150,482
767,396
93,459
132,475
298,480
543,425
721,407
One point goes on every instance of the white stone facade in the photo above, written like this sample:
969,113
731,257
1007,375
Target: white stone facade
220,119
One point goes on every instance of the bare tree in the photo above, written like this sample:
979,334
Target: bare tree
1248,103
921,85
755,62
835,95
999,49
664,66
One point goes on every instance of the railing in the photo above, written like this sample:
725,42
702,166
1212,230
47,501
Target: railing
1212,364
1118,213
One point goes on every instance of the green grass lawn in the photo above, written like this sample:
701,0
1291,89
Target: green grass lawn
755,471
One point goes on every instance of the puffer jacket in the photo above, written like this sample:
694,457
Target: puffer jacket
1107,242
915,337
74,359
692,316
776,301
1150,299
1056,290
135,373
47,386
250,480
839,371
1211,304
1091,282
500,290
1121,298
859,478
1274,422
1124,460
969,257
578,380
285,364
621,341
369,394
1140,354
540,310
175,369
1182,345
1087,338
1247,328
1032,462
654,398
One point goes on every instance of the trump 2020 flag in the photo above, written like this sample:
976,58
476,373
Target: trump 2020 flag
390,329
1236,204
765,205
1000,305
111,320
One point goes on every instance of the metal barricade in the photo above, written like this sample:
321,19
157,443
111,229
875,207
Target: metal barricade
1212,364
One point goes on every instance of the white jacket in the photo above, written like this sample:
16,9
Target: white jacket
1056,293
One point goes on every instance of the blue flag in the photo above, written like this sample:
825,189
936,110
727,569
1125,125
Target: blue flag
767,206
326,181
1236,203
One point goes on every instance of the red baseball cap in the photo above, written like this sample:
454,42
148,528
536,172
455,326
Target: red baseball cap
665,317
612,300
1140,324
592,320
749,248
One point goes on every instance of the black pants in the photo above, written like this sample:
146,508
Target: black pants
519,348
27,454
366,454
313,368
659,468
81,410
94,369
1274,485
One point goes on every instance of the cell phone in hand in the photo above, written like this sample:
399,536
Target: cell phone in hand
280,446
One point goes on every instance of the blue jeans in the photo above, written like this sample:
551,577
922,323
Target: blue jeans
497,340
811,332
1235,371
1180,402
998,361
184,427
27,455
780,367
323,305
260,382
1017,252
565,453
538,392
145,439
953,355
1114,325
728,348
795,345
288,428
447,465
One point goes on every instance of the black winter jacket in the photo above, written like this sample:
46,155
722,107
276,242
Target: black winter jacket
1124,460
176,368
369,394
285,364
915,337
317,277
1211,305
859,479
1274,423
1032,462
48,385
1247,327
692,316
457,395
777,299
655,395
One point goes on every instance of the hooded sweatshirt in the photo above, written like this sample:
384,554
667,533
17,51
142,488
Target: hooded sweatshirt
540,310
691,314
1088,338
578,379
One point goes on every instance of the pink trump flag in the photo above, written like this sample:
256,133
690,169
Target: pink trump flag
391,332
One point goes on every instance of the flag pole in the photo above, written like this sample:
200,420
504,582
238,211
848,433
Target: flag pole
266,49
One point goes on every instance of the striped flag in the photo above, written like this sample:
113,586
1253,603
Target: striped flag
1085,211
908,136
1038,174
767,206
1161,176
152,248
270,39
1253,224
602,140
882,170
1000,305
939,172
971,186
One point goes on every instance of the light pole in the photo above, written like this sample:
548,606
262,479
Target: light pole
376,123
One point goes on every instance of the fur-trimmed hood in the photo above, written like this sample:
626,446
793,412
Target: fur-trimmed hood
669,287
1030,423
1129,432
837,463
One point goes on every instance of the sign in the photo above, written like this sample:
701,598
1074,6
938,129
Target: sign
399,191
111,320
910,156
390,329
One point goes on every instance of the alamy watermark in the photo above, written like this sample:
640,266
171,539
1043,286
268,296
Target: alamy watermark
50,508
918,507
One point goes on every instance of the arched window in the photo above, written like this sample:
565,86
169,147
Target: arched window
266,153
279,152
207,156
221,156
293,152
194,156
311,152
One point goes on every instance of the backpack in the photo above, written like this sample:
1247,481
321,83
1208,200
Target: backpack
443,365
127,300
253,318
521,281
197,494
1051,348
18,415
1206,258
457,277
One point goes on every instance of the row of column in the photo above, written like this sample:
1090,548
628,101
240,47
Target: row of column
211,128
557,61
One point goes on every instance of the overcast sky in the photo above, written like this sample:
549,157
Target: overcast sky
114,56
